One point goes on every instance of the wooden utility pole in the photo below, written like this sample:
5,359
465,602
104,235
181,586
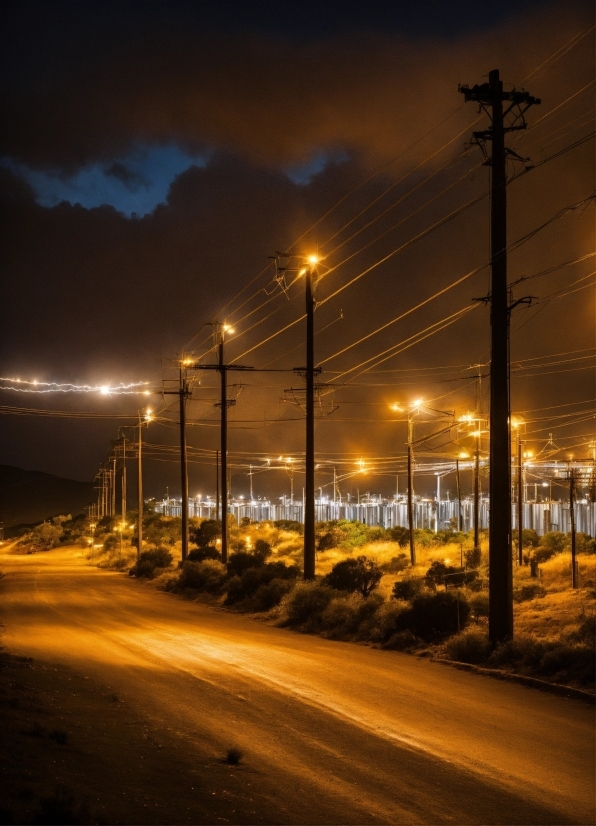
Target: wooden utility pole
184,394
140,488
309,482
491,96
459,519
520,502
224,403
572,517
216,485
123,479
477,493
411,491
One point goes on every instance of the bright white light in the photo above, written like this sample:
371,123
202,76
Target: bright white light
313,259
105,390
417,403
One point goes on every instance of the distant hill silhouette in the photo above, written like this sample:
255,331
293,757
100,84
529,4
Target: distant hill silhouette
28,496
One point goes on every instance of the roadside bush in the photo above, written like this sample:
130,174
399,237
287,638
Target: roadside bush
340,619
268,596
529,591
149,561
403,641
360,574
522,654
479,605
208,576
407,588
289,525
586,632
396,564
400,535
203,553
543,554
246,585
111,542
206,533
530,538
584,544
305,603
240,561
435,616
469,647
441,574
553,660
385,620
555,541
262,550
473,558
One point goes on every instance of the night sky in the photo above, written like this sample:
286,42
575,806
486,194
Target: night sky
154,155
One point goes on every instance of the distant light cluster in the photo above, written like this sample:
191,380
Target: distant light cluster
25,386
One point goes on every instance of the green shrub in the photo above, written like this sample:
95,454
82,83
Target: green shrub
400,535
267,596
479,605
396,564
543,554
435,616
584,544
340,618
203,553
360,574
262,550
403,641
289,525
530,538
470,647
111,542
149,561
441,574
473,558
407,588
206,533
523,653
246,585
208,576
241,561
305,603
385,620
528,591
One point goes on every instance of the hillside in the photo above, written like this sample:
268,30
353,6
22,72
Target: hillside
28,496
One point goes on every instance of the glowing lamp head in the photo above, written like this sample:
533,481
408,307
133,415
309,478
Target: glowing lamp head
227,328
463,455
148,415
104,390
395,406
313,259
418,403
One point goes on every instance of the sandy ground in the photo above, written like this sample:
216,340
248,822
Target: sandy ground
332,732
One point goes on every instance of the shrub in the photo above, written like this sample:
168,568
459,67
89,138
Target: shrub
262,550
400,535
407,588
206,533
203,553
397,563
530,538
269,595
470,647
241,561
360,574
149,561
523,653
47,535
555,541
543,554
584,544
111,542
441,574
306,602
289,525
473,557
479,605
252,579
530,590
340,618
435,616
385,620
402,641
208,576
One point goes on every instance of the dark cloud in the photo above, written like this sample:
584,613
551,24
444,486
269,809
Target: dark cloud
274,100
130,179
93,296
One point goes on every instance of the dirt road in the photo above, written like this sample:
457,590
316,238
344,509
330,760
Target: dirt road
332,732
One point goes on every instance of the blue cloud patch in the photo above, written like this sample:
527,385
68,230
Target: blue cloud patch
134,184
